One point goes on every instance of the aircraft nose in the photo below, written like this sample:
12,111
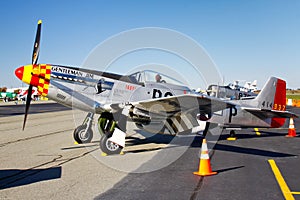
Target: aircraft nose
19,72
27,74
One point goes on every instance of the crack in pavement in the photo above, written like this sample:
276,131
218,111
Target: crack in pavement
200,183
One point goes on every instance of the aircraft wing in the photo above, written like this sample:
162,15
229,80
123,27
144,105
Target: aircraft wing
270,113
183,103
178,113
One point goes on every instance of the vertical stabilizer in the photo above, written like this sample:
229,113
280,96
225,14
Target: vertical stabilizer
273,97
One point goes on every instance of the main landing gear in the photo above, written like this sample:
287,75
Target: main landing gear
84,133
106,126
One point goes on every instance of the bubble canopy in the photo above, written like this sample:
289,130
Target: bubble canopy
146,76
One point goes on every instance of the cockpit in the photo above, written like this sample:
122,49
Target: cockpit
146,76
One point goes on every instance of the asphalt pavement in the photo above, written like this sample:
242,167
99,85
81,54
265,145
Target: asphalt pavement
43,162
36,107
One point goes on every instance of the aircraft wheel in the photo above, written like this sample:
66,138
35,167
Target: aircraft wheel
109,147
82,134
232,134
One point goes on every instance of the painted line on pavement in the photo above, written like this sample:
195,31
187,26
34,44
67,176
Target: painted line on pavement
281,182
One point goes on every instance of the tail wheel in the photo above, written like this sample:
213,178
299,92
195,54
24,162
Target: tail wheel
82,134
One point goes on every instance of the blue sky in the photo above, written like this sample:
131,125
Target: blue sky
246,39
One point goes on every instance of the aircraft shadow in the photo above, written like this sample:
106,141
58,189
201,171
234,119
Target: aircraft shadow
181,179
196,143
18,177
250,151
163,139
145,150
253,135
157,138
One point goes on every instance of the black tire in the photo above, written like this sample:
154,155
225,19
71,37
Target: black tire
80,136
105,123
109,147
232,134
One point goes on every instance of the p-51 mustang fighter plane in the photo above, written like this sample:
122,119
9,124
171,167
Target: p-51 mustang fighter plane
141,98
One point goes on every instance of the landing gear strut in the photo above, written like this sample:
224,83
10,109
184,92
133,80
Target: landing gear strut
84,133
106,126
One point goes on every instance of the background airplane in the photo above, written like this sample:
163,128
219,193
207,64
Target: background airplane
138,97
248,87
226,92
251,87
233,90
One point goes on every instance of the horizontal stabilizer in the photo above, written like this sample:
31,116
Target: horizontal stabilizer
270,113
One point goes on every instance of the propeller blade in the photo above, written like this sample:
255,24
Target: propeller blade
35,56
36,47
28,100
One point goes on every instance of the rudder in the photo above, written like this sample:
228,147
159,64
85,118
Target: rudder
273,97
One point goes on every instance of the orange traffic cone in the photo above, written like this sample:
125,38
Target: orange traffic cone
204,163
292,131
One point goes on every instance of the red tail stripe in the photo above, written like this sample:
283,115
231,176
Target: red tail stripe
280,95
279,103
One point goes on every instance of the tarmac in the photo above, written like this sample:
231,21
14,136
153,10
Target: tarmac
42,162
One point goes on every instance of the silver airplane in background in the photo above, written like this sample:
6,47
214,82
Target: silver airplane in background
146,97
